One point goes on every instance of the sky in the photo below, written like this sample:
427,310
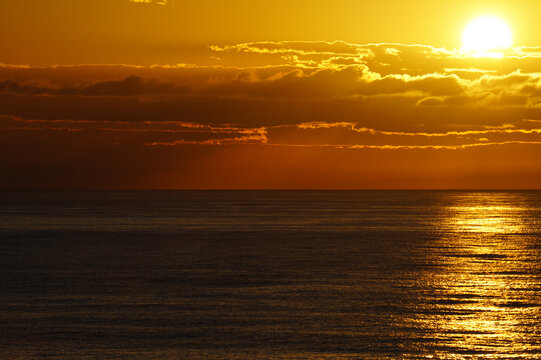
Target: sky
120,94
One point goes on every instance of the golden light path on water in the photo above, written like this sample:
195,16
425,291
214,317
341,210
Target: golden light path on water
490,307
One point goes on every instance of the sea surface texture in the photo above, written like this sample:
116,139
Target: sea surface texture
270,275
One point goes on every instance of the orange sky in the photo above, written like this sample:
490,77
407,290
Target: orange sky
212,94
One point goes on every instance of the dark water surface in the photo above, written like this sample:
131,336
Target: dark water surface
270,275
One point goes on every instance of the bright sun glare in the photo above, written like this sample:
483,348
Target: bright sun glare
486,35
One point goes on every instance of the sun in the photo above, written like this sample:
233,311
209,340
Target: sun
487,35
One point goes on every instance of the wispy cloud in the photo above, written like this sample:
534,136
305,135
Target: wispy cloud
157,2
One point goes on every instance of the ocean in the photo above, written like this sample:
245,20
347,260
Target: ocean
270,275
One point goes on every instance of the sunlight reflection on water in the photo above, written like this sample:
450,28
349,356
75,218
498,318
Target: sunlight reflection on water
493,303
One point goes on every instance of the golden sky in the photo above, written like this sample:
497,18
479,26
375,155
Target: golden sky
283,94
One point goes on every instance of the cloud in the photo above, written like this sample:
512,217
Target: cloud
384,58
130,86
147,132
310,94
157,2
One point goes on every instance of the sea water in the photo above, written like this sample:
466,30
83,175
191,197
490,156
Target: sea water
270,275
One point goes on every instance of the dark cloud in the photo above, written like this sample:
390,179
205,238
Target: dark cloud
130,86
